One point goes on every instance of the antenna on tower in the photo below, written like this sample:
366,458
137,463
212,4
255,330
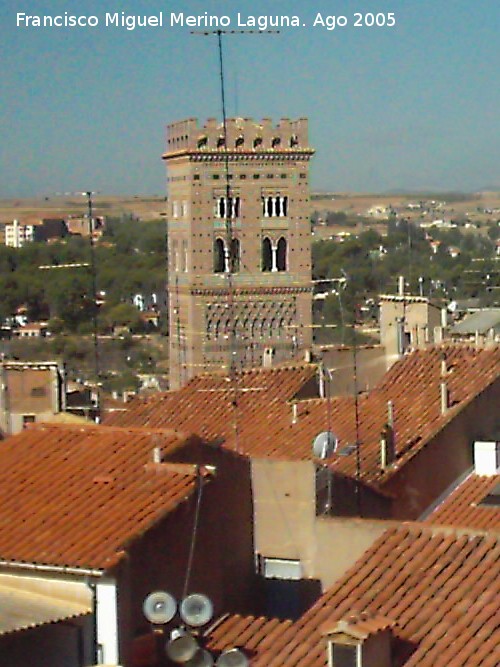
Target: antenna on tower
230,246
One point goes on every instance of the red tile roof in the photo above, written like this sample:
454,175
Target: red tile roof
463,506
440,590
250,633
265,426
77,495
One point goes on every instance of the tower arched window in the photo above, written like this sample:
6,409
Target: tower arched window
267,255
219,256
235,255
281,255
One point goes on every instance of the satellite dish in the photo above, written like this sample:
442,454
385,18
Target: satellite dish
201,659
232,658
182,646
324,445
196,610
159,607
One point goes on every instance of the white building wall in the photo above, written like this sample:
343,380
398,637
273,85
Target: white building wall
107,622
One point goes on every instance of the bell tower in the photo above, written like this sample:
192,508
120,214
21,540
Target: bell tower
240,196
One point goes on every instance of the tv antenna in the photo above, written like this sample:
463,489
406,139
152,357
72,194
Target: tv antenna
184,645
230,249
90,214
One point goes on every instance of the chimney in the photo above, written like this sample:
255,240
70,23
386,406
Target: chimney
444,398
295,413
157,455
486,457
307,356
401,286
444,387
390,414
387,448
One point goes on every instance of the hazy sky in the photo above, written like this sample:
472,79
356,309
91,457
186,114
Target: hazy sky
416,105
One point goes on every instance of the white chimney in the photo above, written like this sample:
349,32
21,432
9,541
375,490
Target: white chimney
401,285
444,398
295,413
157,455
486,457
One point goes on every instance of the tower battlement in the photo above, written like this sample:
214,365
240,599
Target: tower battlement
243,135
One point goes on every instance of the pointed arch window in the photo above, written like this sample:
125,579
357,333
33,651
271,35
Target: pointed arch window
281,255
235,255
267,255
218,256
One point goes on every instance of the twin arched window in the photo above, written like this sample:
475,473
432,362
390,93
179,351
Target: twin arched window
274,254
224,260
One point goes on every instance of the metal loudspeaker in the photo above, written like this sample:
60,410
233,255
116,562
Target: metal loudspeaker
196,610
182,646
232,658
201,659
159,607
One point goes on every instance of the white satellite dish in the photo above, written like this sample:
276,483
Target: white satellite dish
196,610
159,607
232,658
182,646
201,659
324,445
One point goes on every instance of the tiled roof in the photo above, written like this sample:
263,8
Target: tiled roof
264,423
463,507
439,589
29,606
77,495
206,406
250,633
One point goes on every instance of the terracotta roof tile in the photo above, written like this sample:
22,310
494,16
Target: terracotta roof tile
77,495
263,418
463,507
439,591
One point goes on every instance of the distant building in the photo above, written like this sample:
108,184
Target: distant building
79,225
51,229
31,330
30,392
408,323
18,234
480,328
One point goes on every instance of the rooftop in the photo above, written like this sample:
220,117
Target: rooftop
468,505
75,496
438,592
481,321
267,425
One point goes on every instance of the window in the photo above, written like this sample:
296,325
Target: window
38,392
219,256
267,255
28,419
225,205
344,655
281,568
281,255
235,255
275,206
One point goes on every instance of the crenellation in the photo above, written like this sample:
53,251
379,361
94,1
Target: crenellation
243,135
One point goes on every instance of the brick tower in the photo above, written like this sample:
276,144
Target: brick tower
261,311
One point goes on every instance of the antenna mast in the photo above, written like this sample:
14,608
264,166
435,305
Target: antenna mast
230,246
